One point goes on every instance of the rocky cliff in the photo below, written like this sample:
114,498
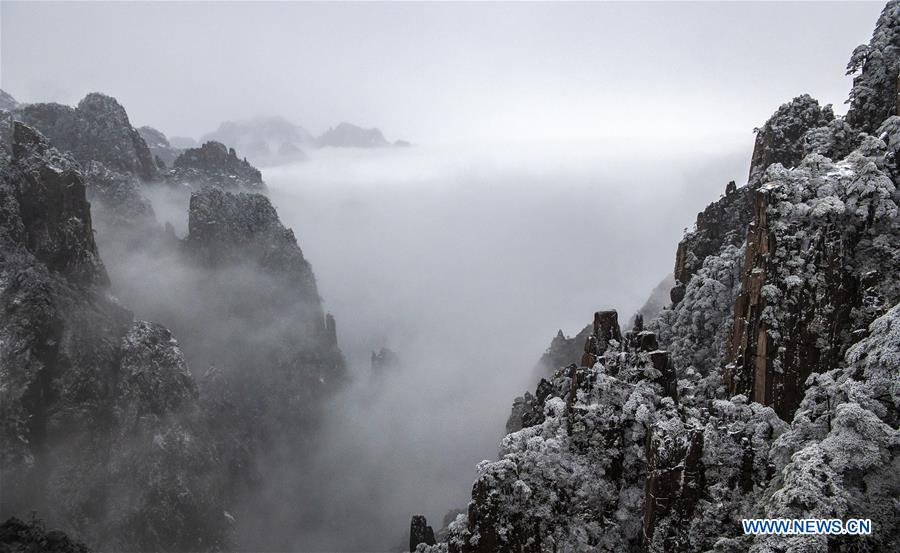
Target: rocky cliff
769,387
99,432
876,90
819,250
214,165
238,249
113,431
97,129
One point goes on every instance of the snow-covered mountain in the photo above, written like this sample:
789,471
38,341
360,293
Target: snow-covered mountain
768,387
113,427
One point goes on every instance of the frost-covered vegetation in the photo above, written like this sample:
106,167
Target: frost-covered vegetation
784,338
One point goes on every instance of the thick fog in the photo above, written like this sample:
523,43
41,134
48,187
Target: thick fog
466,264
560,152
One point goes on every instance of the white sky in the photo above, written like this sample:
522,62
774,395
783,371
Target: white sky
439,72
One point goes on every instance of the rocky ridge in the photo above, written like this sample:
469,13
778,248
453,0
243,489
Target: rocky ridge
212,164
97,129
78,370
266,365
768,388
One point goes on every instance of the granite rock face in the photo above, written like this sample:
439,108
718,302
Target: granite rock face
113,159
768,388
215,165
97,129
796,129
420,532
99,429
236,290
721,224
875,95
815,274
51,215
234,237
112,428
780,139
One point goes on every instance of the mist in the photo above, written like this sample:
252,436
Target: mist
466,263
560,151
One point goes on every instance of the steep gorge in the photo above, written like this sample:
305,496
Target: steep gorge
776,392
113,431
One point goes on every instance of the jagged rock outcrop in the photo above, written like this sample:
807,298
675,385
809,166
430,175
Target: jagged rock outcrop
160,148
613,458
605,332
239,234
113,160
420,532
97,129
99,428
875,95
796,129
51,215
722,223
235,236
777,393
346,135
781,138
215,165
819,251
140,458
244,302
227,227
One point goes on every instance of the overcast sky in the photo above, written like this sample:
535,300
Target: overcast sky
438,72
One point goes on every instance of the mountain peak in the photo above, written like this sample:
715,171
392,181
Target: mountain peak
348,135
